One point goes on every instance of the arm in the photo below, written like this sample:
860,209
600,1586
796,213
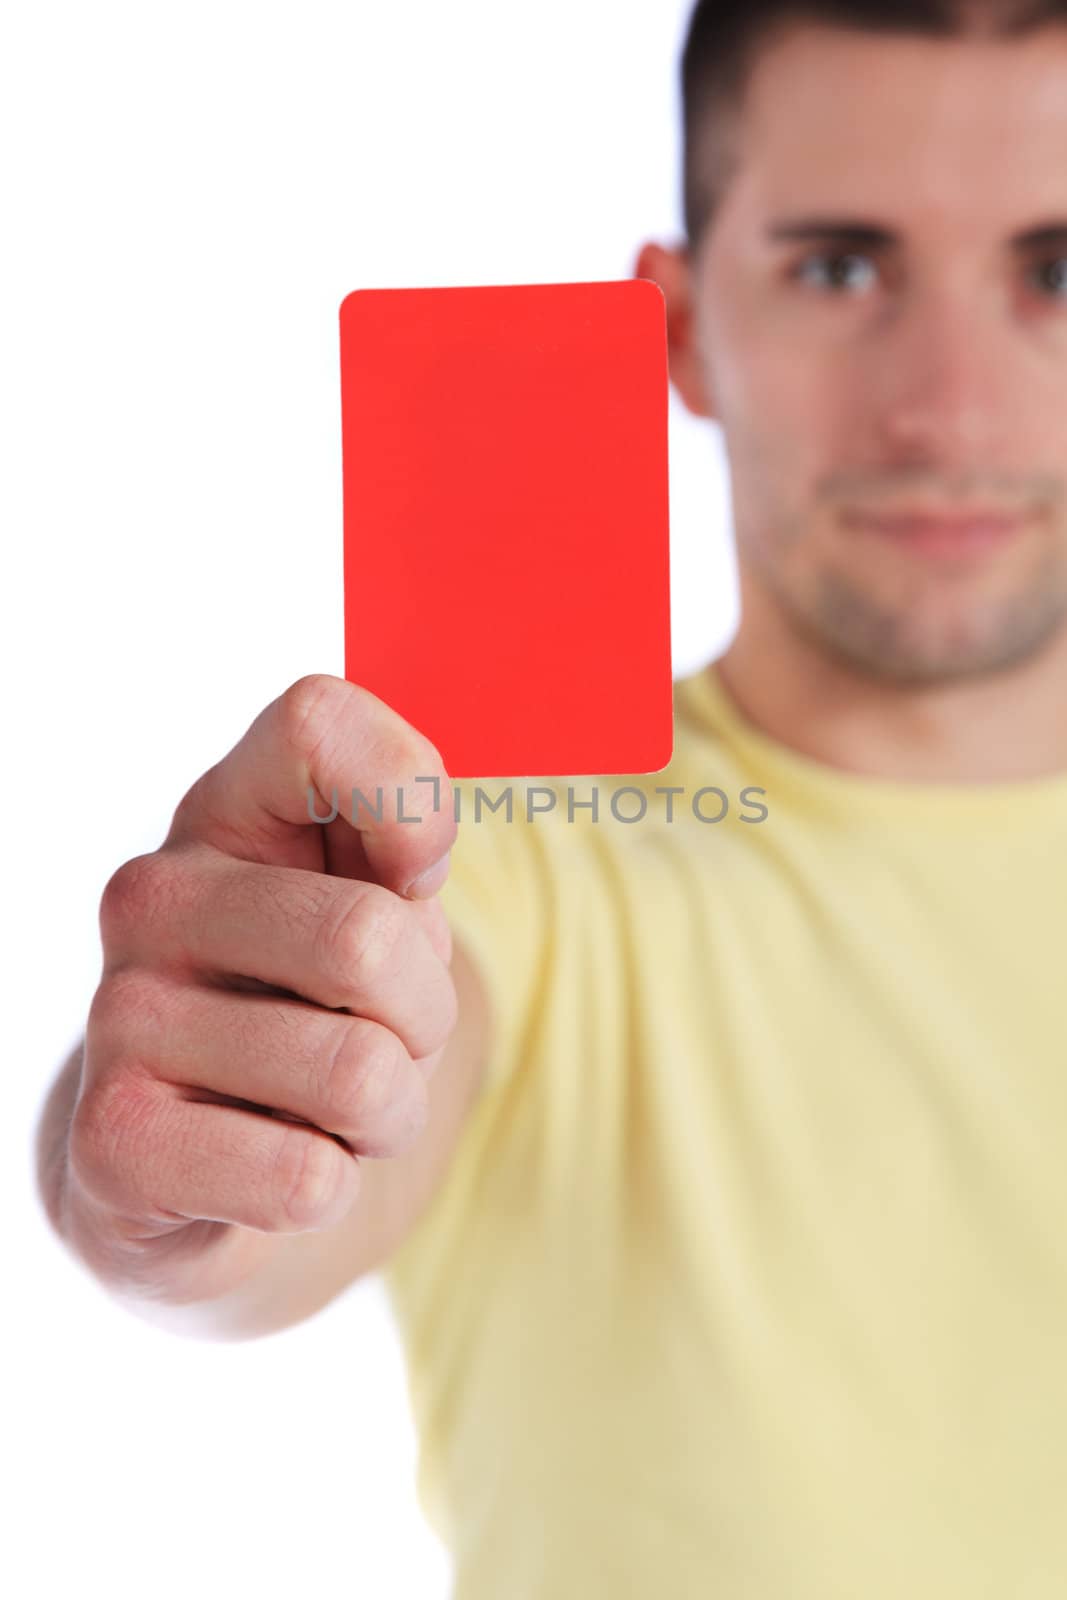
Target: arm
275,1004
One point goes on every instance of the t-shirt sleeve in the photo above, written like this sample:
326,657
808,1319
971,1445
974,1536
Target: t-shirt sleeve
500,905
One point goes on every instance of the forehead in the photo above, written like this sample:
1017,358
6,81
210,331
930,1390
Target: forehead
960,129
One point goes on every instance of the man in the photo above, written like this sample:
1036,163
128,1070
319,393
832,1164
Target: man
718,1172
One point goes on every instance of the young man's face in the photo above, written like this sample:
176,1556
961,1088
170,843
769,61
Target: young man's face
929,374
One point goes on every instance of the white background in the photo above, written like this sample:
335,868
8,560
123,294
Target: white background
188,192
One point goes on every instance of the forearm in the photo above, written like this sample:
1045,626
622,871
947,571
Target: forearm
209,1281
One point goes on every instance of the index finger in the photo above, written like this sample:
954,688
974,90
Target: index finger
324,742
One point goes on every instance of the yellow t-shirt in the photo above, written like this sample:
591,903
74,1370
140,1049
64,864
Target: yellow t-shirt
748,1280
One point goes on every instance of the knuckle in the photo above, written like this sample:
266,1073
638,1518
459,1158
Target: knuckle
110,1131
361,945
407,751
365,1077
307,710
308,1177
410,760
312,705
131,894
123,1005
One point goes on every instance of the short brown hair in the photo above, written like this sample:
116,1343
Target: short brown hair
724,37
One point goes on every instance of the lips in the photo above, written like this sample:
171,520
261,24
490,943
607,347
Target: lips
962,533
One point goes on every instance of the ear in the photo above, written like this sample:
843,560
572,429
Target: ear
672,271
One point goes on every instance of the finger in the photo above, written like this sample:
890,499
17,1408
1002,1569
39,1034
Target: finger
348,1076
335,942
167,1159
325,739
432,919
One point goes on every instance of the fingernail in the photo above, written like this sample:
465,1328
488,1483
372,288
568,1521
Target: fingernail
430,881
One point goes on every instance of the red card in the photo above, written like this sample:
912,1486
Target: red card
506,554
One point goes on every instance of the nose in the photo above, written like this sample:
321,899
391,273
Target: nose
945,369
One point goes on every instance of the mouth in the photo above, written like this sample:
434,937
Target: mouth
965,533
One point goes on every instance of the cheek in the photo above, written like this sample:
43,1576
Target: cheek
808,433
770,391
772,494
782,433
787,419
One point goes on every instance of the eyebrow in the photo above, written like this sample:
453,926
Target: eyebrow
871,236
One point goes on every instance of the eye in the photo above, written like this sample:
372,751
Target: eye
1053,274
838,263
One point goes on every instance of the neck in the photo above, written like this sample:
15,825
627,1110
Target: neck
1005,726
